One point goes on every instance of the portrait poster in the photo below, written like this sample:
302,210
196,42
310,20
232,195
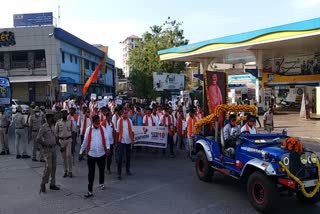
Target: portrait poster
216,92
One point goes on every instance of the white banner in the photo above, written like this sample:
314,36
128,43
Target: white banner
150,136
102,103
118,101
93,96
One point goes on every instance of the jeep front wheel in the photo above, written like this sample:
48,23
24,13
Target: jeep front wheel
262,192
203,167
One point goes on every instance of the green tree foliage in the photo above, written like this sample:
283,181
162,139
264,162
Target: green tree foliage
144,59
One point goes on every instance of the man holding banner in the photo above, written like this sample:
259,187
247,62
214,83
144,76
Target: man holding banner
125,138
167,121
148,119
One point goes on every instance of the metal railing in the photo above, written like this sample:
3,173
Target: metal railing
40,64
19,64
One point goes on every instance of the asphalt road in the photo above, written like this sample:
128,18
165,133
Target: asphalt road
158,185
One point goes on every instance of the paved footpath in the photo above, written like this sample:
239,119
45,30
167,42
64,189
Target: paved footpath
299,127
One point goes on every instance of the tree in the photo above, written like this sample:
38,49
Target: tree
144,60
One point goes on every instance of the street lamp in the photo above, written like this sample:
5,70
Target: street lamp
51,84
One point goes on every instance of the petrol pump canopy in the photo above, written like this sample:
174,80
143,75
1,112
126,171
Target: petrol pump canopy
300,38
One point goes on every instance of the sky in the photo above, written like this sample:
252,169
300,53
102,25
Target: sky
109,22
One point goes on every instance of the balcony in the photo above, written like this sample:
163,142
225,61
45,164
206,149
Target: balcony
19,64
40,64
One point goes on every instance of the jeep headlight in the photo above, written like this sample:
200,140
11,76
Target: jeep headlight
285,160
304,159
313,158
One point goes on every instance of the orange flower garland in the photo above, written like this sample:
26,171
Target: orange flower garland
235,108
204,121
292,144
210,119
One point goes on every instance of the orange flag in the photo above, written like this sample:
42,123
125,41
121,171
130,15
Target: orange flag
93,78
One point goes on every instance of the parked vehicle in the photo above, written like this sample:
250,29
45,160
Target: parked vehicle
16,103
266,163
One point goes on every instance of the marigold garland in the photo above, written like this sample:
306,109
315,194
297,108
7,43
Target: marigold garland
204,121
210,119
303,190
235,108
292,144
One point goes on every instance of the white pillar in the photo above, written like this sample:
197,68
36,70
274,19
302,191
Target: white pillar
204,63
318,100
260,98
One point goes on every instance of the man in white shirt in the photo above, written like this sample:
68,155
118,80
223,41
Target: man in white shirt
168,121
115,117
84,122
97,145
125,138
249,126
155,116
111,136
148,118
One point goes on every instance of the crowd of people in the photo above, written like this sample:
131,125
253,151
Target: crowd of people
105,132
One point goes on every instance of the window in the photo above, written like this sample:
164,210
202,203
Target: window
40,59
76,59
86,64
70,58
1,61
19,59
62,55
93,66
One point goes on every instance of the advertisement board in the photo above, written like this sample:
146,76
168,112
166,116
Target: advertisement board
5,91
243,80
32,19
168,81
293,65
150,136
7,38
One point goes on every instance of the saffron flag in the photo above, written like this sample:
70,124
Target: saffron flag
93,78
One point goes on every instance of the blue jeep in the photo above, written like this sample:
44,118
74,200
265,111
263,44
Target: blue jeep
263,164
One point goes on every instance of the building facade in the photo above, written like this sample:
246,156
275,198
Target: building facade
46,64
128,44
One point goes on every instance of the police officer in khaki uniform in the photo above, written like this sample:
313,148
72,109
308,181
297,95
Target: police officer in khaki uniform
4,126
57,114
43,114
64,129
20,137
47,138
34,127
